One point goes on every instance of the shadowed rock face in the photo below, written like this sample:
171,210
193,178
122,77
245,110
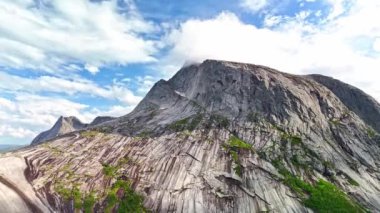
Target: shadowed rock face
101,119
217,137
356,100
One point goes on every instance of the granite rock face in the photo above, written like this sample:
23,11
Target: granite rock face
217,137
356,100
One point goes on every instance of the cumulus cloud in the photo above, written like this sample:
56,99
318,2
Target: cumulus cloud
55,35
15,83
19,132
293,44
253,5
376,45
26,115
91,68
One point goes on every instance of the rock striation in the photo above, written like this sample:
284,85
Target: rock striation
217,137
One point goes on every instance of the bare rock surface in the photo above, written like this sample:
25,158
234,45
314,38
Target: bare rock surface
217,137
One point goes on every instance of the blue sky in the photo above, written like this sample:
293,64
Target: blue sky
90,57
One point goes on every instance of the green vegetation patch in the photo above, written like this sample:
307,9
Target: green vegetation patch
326,197
77,197
80,201
129,202
89,202
144,134
293,139
112,171
351,180
322,197
104,129
189,123
64,192
235,142
109,170
220,121
371,133
89,133
335,121
72,193
233,146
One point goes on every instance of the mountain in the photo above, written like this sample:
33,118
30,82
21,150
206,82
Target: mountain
100,119
217,137
356,100
9,147
65,125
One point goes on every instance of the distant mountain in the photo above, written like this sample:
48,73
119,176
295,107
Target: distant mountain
217,137
62,125
9,147
65,125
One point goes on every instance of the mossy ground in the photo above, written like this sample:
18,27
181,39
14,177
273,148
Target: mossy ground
189,123
89,133
120,194
130,202
322,197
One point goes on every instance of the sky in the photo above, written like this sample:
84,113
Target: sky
87,58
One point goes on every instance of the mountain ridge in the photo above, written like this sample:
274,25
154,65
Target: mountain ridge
66,125
217,137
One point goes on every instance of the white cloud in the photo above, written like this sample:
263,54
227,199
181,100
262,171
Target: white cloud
337,7
294,45
91,68
7,104
6,130
27,115
51,35
144,83
71,87
272,20
253,5
376,45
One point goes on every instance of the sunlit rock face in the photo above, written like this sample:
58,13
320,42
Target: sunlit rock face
217,137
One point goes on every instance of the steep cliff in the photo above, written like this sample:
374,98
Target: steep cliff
356,100
217,137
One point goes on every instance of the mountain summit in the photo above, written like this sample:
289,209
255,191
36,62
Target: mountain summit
62,126
217,137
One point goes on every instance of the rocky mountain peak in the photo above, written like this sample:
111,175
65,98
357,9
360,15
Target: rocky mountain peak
236,90
217,137
66,125
62,126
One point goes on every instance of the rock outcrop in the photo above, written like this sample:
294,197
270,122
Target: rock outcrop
217,137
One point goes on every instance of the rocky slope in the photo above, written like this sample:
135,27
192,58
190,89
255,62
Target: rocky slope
217,137
356,100
65,125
